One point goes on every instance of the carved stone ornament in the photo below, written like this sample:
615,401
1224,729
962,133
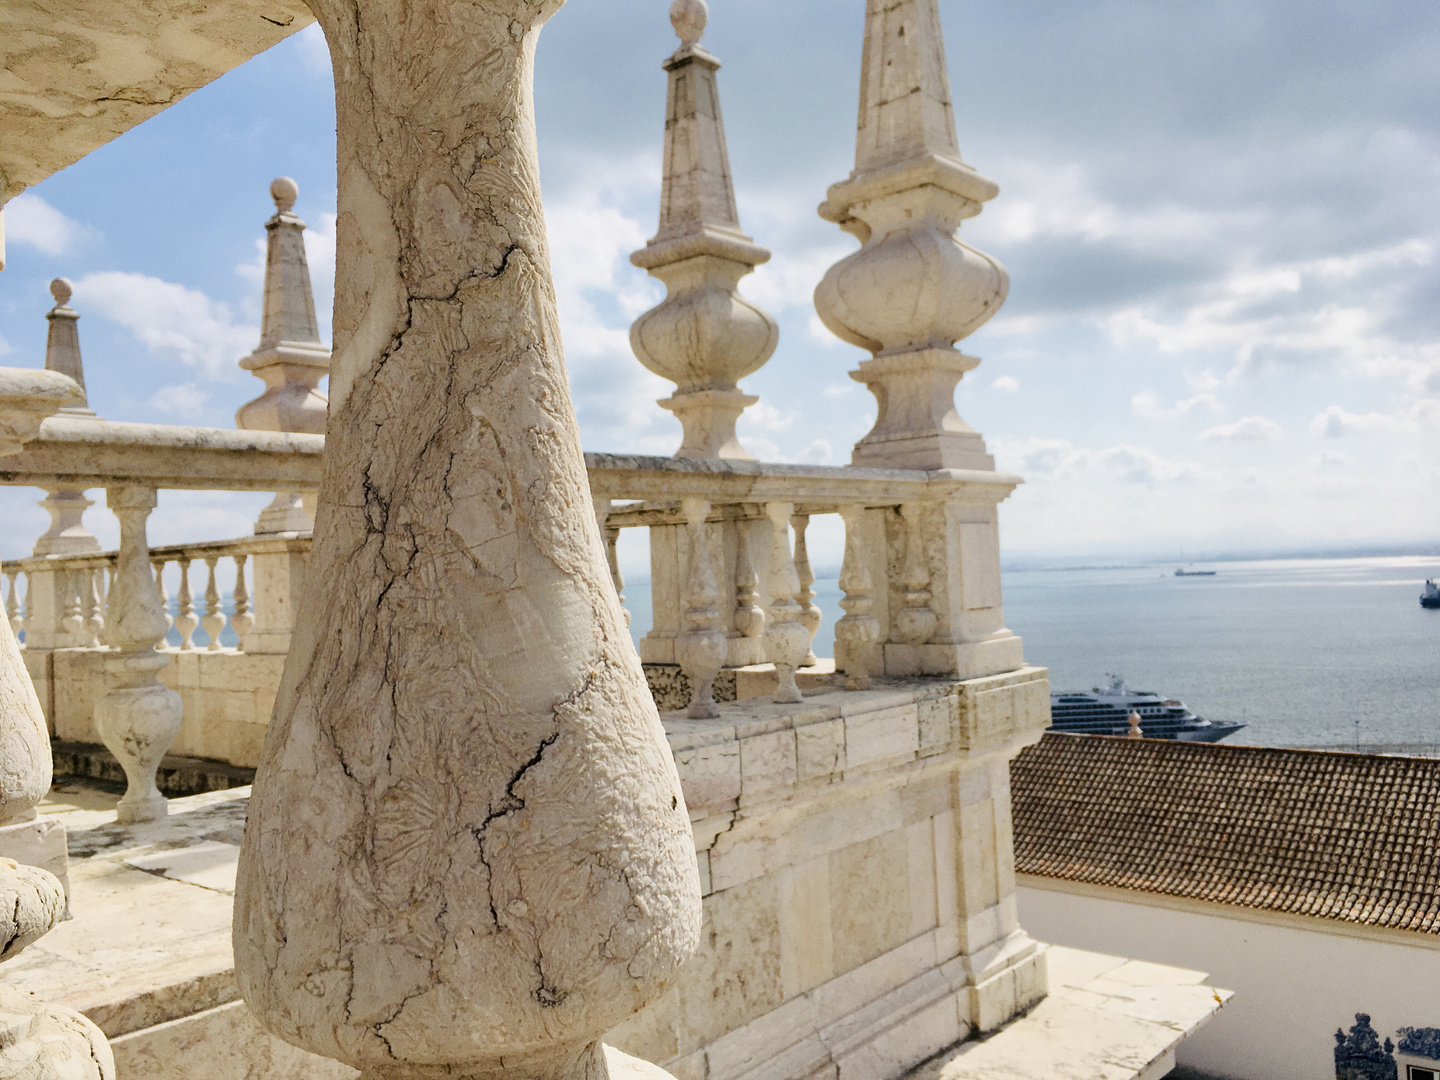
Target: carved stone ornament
913,289
705,337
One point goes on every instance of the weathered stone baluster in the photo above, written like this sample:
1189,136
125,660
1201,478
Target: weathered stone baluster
467,852
93,582
12,603
915,622
857,633
186,621
700,647
26,398
611,535
76,587
37,1040
214,620
243,619
810,616
749,615
164,597
138,718
786,638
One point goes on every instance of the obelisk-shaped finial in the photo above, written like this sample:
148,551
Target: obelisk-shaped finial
705,337
913,289
62,343
291,358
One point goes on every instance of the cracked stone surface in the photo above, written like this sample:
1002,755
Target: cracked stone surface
467,850
40,1041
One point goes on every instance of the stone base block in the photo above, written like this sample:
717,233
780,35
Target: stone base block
1000,995
963,660
671,689
40,842
933,450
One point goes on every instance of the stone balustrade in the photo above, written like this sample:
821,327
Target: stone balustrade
920,581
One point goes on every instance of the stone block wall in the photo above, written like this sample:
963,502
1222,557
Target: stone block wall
227,698
855,857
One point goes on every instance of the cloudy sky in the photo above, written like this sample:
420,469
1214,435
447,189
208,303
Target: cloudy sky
1220,219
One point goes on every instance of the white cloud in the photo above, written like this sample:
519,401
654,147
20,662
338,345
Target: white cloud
818,452
1006,383
32,221
182,401
5,347
1246,429
1147,404
1336,423
762,416
1054,459
169,319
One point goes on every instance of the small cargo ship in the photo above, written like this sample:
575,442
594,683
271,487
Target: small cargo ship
1182,572
1107,712
1430,598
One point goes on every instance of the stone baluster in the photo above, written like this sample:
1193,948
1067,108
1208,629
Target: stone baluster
214,620
467,852
164,597
810,615
27,397
186,622
786,638
915,622
705,337
858,631
75,593
138,717
39,1040
700,647
12,603
93,582
243,619
749,615
290,360
913,289
611,537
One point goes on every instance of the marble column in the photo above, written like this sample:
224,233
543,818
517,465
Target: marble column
913,289
705,337
467,852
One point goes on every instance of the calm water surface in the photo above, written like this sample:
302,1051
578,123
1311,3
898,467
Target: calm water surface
1308,652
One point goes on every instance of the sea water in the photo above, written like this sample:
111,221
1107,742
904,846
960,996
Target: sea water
1306,652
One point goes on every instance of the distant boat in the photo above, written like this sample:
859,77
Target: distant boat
1181,572
1430,598
1106,712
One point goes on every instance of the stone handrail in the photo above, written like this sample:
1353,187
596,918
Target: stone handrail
920,575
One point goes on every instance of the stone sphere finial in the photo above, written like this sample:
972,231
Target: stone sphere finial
284,191
689,17
61,290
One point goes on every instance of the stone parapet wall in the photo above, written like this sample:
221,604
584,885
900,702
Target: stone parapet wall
849,849
854,852
227,698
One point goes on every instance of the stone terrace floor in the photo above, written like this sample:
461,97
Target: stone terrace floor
150,944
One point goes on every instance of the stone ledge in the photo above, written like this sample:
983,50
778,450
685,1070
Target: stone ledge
1106,1018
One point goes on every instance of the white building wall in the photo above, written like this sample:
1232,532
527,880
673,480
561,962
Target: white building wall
1293,986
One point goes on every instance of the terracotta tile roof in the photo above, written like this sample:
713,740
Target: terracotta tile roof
1331,835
